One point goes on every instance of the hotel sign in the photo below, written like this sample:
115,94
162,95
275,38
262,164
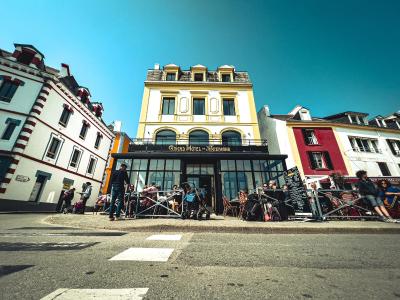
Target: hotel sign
191,148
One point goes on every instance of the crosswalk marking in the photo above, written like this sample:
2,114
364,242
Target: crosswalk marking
165,237
144,254
86,294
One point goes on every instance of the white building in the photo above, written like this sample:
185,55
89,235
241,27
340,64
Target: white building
343,143
52,135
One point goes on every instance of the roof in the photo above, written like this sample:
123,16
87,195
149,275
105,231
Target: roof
29,46
345,113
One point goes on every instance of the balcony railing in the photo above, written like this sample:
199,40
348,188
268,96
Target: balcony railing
165,143
367,150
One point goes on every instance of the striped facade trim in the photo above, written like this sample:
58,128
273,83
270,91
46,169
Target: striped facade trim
26,132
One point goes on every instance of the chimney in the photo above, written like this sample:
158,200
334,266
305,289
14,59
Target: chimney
156,66
267,112
117,126
64,72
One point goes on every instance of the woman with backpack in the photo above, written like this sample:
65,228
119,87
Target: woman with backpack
67,199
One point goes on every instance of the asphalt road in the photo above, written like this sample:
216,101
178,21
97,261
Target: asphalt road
37,259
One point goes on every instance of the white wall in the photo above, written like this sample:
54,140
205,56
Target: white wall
365,160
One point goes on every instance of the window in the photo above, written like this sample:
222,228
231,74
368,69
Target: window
309,137
84,130
165,137
91,166
231,138
320,160
171,77
226,77
11,125
394,146
53,148
384,169
198,77
66,113
198,137
198,106
76,155
98,140
375,147
364,144
229,107
7,90
354,119
168,106
26,57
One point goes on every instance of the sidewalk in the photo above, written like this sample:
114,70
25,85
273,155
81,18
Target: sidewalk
219,224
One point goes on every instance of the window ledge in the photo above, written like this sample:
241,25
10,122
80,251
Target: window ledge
313,145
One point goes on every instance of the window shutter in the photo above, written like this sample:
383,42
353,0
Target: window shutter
305,136
391,147
328,160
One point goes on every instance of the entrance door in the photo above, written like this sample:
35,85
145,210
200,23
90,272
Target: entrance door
206,183
38,188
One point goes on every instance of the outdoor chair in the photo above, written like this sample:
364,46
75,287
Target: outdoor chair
228,207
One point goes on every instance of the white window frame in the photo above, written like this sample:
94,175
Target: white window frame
57,153
79,157
312,140
94,165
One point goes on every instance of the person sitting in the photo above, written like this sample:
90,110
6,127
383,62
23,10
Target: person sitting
390,196
368,190
150,195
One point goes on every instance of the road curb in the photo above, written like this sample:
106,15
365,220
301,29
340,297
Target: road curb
233,229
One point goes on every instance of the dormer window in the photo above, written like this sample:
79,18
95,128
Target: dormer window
26,57
198,77
226,77
171,77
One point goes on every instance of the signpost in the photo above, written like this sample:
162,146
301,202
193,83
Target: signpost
297,192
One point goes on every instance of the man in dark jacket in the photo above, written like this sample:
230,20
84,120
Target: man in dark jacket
370,192
118,180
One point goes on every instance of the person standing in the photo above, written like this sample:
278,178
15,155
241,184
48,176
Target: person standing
368,190
67,199
86,195
118,180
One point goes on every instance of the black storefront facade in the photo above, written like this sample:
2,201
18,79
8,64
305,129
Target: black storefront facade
222,170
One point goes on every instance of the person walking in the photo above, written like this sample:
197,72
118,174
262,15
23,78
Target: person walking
86,195
67,200
118,180
369,191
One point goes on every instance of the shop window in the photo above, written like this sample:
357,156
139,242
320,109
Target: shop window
166,137
226,77
384,169
198,137
66,113
75,157
53,148
7,90
231,138
84,130
168,106
309,137
198,77
199,106
171,77
229,107
91,165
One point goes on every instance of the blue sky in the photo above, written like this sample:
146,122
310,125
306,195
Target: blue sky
329,56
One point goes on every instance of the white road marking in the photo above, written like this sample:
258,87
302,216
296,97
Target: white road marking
99,294
144,254
165,237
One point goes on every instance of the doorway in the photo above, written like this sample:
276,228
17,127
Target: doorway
38,188
204,183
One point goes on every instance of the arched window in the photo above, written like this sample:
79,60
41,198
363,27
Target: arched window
231,138
198,137
165,137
